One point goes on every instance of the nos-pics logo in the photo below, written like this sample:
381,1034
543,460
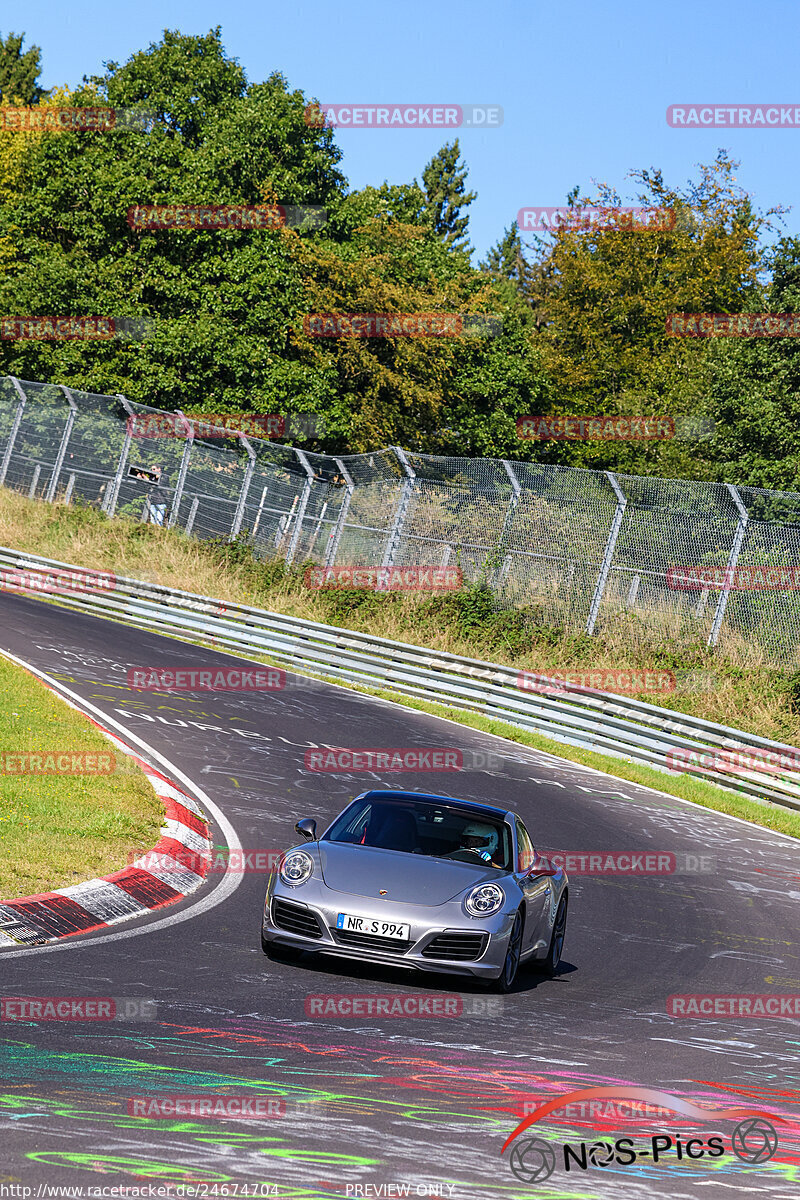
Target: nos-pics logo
532,1160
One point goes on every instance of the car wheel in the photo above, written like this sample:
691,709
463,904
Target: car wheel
511,966
550,965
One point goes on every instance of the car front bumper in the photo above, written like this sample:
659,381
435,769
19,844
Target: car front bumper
456,932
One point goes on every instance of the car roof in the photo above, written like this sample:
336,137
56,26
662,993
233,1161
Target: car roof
395,794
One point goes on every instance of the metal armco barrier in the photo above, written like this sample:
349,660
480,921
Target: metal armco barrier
609,724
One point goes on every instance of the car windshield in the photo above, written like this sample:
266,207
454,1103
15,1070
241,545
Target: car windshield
437,830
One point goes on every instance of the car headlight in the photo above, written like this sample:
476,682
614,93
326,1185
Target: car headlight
296,868
484,900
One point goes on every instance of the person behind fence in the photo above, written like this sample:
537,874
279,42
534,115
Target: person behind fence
157,498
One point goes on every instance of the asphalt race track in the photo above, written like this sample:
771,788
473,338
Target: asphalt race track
377,1103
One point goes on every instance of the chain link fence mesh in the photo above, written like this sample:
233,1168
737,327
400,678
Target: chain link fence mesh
582,548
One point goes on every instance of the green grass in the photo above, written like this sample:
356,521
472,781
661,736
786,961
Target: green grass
56,830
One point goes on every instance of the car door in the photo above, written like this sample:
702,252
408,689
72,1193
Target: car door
536,888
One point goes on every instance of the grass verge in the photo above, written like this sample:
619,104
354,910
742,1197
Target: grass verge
56,830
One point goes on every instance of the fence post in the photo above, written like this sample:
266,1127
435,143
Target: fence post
502,570
12,437
238,516
301,508
184,467
34,482
633,591
733,558
396,532
332,549
187,529
608,554
109,505
261,504
62,449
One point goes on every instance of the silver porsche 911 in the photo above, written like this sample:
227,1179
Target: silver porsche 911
420,881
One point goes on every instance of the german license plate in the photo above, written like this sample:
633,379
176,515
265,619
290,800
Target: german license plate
387,929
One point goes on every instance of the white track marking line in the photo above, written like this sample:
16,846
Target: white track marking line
230,880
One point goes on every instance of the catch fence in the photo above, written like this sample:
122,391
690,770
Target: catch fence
583,547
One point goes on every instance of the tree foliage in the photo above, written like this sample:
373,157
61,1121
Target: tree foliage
446,197
583,310
19,72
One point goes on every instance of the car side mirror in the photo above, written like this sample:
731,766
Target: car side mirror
541,865
307,829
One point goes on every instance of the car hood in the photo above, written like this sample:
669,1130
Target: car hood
406,878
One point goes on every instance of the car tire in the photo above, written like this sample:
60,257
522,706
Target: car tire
549,965
505,980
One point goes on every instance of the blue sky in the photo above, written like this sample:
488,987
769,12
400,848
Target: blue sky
584,85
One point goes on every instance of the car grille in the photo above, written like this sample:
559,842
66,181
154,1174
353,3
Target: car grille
370,941
456,947
295,919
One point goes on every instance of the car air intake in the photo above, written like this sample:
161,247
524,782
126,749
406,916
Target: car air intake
295,919
370,941
456,947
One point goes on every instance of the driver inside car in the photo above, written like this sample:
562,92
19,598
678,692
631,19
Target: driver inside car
481,839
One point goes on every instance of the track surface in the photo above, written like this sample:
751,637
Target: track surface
392,1101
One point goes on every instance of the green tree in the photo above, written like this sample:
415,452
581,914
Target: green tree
754,389
19,72
506,259
605,343
221,301
227,306
444,181
183,80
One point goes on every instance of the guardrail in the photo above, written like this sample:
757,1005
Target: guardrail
610,724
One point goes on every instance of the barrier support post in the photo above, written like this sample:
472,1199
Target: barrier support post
733,558
608,554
